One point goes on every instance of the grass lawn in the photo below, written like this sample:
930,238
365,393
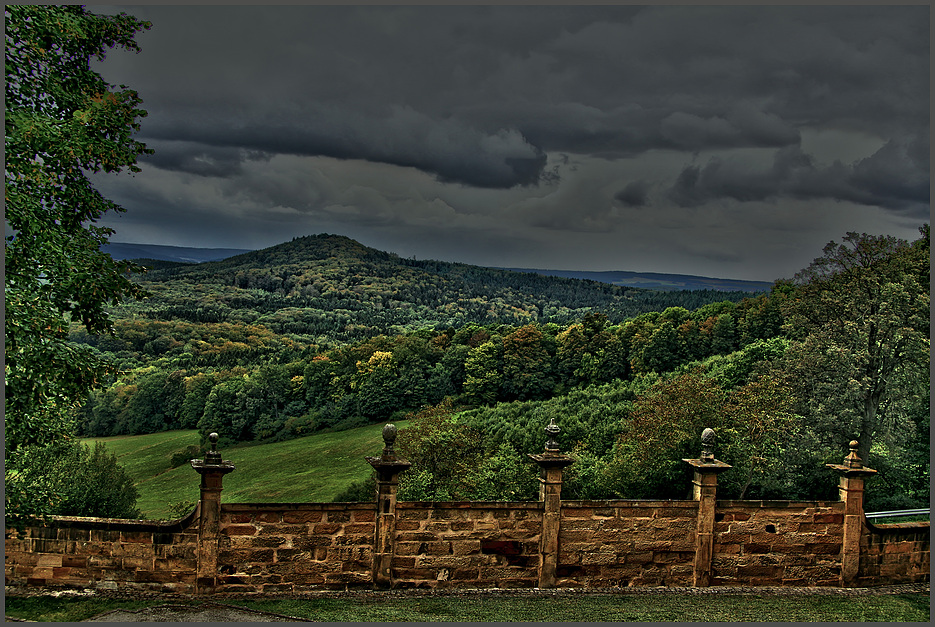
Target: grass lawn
533,608
315,468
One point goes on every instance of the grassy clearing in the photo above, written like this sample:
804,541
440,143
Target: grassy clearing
311,469
512,608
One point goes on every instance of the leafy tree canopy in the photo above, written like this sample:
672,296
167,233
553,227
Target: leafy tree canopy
860,318
62,122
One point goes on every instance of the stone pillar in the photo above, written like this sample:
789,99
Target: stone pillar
704,490
851,491
550,493
388,467
212,470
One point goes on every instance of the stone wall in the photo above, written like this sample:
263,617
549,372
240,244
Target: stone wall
287,548
106,554
895,553
765,543
472,545
626,543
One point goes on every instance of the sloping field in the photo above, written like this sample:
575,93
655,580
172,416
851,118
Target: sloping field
315,468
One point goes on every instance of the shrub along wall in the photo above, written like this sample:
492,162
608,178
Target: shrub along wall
300,547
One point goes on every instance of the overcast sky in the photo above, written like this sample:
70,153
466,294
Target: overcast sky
721,141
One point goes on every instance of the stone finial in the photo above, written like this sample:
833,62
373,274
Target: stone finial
212,463
552,430
708,440
852,460
389,439
212,456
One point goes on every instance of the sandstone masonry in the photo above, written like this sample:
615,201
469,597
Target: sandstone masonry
299,547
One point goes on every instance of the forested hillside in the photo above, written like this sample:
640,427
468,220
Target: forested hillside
324,334
329,288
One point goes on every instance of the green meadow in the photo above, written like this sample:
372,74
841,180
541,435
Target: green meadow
315,468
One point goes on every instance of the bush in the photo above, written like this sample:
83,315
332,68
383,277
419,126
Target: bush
91,482
180,458
359,491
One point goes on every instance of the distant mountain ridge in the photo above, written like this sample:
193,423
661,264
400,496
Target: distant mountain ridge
656,280
623,278
181,254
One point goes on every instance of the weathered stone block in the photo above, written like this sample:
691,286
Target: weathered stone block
466,547
312,568
291,555
599,558
348,540
43,545
74,561
577,512
568,535
338,516
758,570
71,533
671,534
415,573
136,563
416,536
327,528
176,565
442,561
463,574
676,512
897,547
351,554
142,537
755,547
311,542
284,529
363,515
302,517
267,541
412,514
239,530
437,548
580,524
784,549
821,548
359,528
49,561
730,516
448,514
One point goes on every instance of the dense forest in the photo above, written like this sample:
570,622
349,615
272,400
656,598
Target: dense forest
332,334
324,333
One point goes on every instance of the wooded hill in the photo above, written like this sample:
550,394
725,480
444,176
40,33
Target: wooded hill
329,288
323,334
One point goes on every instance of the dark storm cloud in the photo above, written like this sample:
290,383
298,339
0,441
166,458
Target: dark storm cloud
200,159
477,95
896,177
557,125
635,194
449,149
